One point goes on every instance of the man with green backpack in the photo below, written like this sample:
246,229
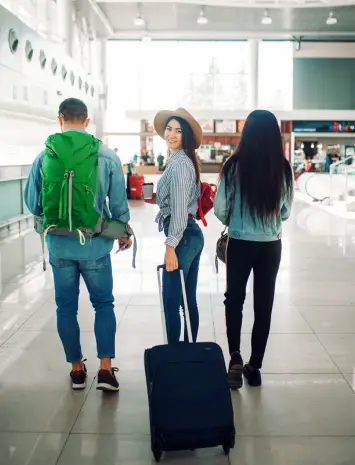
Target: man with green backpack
76,190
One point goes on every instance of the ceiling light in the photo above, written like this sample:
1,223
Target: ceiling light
331,20
266,19
202,19
139,21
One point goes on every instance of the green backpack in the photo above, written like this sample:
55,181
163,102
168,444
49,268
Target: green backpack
70,182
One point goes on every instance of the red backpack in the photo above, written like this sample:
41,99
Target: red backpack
205,201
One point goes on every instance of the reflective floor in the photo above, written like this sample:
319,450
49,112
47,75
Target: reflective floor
303,414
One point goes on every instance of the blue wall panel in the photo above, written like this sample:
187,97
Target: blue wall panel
324,84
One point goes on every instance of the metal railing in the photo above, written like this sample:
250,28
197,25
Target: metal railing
12,184
348,168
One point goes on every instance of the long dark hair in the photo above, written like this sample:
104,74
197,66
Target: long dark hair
259,167
188,143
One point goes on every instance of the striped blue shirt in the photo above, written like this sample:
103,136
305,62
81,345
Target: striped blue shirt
177,195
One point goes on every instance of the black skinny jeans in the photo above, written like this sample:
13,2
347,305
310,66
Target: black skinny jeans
264,259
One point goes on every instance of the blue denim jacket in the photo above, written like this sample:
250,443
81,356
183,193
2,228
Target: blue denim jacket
242,226
112,186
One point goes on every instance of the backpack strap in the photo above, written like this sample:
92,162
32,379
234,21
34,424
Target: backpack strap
202,216
44,263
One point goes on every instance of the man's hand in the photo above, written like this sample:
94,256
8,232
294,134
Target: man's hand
153,200
171,261
124,243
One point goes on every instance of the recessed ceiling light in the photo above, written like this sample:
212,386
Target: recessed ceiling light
202,19
331,20
266,19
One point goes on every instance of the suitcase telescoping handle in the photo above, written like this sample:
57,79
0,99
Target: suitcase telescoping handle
186,308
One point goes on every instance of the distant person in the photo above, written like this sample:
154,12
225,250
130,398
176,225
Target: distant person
256,192
151,158
160,160
328,162
75,152
135,158
116,151
309,167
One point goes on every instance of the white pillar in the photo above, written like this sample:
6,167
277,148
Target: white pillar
254,72
103,61
101,76
93,52
66,23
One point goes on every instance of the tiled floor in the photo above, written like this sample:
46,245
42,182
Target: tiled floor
303,414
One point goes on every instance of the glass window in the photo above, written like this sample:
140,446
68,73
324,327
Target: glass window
29,50
42,59
13,41
54,66
231,91
145,76
127,146
275,83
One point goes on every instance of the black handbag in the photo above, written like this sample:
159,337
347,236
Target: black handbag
222,242
221,248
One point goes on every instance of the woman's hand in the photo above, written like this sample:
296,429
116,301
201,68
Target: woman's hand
171,261
153,200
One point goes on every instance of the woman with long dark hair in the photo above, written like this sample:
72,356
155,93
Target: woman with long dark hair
177,193
254,197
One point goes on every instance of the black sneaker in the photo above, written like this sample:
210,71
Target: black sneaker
78,378
235,370
252,375
107,381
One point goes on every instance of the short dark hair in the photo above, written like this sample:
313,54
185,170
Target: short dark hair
73,109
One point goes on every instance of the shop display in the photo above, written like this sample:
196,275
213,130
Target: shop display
207,126
323,126
226,126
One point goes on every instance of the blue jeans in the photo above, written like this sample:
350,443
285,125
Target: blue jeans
97,275
188,253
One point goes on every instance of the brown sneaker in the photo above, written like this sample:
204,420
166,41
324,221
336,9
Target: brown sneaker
107,381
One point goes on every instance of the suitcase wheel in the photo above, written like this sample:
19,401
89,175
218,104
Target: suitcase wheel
157,454
226,450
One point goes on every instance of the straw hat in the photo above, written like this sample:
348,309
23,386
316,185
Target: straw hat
161,120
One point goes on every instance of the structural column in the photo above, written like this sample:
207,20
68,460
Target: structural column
66,21
102,78
103,61
254,72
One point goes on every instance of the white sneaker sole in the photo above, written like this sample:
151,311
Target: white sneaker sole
106,387
78,387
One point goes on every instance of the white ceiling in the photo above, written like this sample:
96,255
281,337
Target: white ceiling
247,3
178,19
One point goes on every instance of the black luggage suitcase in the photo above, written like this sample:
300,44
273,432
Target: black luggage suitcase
190,403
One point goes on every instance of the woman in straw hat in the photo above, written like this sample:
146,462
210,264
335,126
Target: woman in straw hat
177,193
